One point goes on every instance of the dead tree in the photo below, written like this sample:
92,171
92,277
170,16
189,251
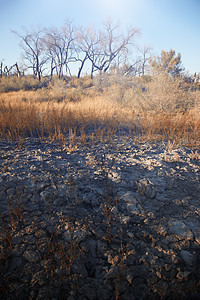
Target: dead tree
17,69
7,71
103,48
86,41
1,69
144,58
112,43
59,47
33,50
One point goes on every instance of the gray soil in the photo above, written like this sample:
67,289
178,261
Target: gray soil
99,221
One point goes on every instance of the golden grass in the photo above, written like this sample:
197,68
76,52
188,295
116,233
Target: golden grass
164,111
32,117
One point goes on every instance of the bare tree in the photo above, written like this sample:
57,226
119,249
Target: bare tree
145,55
7,71
104,48
137,66
33,50
112,44
1,69
19,73
131,69
59,47
86,43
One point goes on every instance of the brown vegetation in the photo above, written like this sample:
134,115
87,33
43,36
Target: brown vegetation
156,108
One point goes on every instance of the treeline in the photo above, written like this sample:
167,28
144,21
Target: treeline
69,50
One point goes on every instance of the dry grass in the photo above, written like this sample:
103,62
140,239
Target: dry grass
14,83
160,108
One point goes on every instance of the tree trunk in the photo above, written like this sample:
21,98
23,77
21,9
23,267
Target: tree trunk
1,69
92,71
18,71
6,71
82,65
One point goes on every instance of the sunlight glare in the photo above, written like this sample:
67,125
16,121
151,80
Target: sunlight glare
117,9
111,6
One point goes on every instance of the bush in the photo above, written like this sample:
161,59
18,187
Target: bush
26,83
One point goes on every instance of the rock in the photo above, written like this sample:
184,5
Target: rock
161,230
114,210
130,278
131,202
3,196
181,230
146,187
187,257
90,289
197,235
114,176
15,263
60,201
183,276
11,192
31,256
195,227
47,195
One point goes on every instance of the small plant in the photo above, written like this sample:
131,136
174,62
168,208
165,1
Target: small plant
99,132
9,222
107,209
83,136
59,136
194,155
121,265
5,238
111,130
60,254
5,168
108,203
141,190
19,142
71,251
72,141
16,209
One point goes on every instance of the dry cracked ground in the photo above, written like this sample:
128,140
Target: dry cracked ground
99,220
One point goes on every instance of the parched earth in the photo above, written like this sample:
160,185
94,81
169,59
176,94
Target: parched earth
106,220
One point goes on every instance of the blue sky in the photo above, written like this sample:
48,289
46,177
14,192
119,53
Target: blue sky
164,24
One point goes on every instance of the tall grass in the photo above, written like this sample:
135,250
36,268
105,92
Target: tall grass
160,108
